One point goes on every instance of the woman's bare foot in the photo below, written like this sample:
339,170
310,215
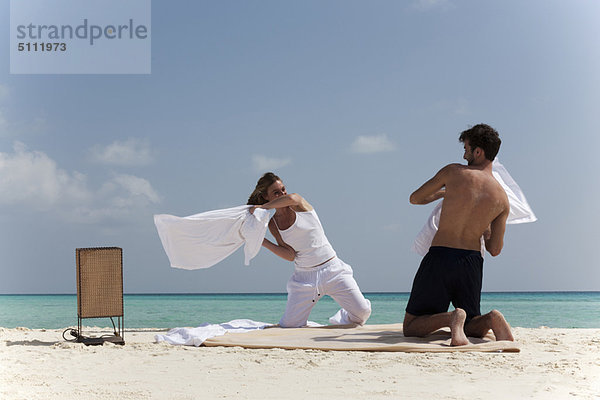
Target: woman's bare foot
457,325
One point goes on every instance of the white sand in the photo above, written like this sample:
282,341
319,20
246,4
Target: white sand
39,364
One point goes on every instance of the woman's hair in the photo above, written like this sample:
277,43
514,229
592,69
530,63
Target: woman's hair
257,198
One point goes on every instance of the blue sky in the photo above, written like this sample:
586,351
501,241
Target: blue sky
353,103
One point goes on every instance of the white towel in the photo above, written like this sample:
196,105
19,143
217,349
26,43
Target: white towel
197,336
520,211
202,240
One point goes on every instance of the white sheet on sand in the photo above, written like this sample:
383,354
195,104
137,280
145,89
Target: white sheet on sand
520,211
197,336
202,240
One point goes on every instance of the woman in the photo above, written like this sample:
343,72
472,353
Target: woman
318,272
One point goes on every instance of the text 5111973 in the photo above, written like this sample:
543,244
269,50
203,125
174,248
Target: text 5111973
42,46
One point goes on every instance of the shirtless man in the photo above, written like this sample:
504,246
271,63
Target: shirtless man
475,206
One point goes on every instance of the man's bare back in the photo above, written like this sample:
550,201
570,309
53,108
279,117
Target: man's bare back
474,206
473,199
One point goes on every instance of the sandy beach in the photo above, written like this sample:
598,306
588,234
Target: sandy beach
39,364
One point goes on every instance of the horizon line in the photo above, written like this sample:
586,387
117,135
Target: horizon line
285,293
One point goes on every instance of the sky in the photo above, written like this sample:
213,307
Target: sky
353,103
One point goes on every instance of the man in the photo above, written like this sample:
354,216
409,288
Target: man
475,206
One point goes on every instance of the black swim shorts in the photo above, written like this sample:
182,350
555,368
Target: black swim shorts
447,275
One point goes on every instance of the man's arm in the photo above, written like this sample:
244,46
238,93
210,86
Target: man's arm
495,242
433,189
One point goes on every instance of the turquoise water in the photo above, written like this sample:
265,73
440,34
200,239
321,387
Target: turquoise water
524,309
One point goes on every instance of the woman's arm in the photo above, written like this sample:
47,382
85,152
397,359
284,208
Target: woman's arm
282,249
293,200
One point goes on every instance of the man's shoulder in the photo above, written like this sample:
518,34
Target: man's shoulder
456,165
452,169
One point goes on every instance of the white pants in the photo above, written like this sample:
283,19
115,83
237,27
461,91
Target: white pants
334,278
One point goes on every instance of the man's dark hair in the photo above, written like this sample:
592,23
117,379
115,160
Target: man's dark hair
483,136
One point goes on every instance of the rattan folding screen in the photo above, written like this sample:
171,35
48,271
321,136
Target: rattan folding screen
100,288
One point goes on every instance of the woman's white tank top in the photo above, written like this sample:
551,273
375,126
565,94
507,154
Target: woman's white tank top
308,238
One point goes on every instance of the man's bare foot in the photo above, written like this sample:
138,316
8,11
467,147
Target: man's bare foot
457,325
500,327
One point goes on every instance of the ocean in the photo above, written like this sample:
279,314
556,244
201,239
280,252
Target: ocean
521,309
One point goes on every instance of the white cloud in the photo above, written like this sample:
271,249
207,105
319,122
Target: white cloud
372,144
131,152
264,164
128,190
31,179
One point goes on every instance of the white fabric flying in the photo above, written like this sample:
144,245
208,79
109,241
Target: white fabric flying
197,336
520,211
307,238
202,240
